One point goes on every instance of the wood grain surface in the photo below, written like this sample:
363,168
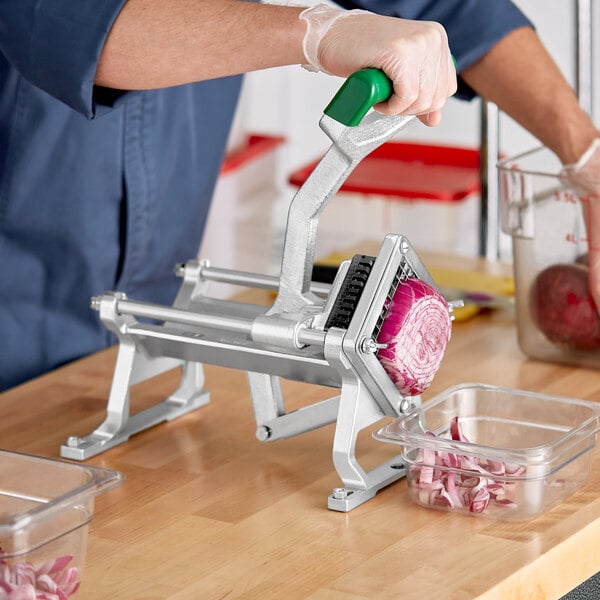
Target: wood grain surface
207,511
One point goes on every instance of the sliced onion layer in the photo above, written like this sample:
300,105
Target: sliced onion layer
53,580
473,489
416,330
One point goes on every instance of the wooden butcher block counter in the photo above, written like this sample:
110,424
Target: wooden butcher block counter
207,511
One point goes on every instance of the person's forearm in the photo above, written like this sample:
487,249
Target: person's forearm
155,44
519,75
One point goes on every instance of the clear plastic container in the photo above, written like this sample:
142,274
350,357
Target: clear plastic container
45,508
526,451
545,219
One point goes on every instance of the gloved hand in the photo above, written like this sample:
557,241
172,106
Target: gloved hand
584,178
413,54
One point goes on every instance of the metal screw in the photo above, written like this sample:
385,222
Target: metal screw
340,493
73,441
404,247
263,433
405,405
370,346
95,302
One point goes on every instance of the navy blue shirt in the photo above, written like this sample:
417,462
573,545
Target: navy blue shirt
104,189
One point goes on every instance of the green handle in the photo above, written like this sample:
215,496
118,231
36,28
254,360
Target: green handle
359,93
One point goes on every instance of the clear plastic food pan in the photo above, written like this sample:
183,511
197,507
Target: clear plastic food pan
557,320
45,508
497,452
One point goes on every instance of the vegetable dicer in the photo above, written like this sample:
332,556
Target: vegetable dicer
323,334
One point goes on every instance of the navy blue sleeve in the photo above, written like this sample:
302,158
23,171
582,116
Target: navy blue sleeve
55,45
473,26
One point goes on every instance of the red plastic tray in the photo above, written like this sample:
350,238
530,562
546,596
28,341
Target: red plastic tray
411,171
254,146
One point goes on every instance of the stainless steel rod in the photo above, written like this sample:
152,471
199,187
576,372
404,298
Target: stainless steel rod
174,315
312,337
309,337
489,238
255,280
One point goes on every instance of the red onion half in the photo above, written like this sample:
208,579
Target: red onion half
416,330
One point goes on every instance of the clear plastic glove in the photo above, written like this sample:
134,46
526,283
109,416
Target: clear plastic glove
584,178
413,54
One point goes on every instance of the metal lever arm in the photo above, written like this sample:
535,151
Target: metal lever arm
350,145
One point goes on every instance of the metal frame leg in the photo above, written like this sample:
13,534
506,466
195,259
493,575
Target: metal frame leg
273,422
358,410
133,366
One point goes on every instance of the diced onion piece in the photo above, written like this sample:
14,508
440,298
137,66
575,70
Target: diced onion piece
53,580
439,485
416,330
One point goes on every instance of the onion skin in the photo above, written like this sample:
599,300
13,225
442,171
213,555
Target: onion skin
562,307
416,329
